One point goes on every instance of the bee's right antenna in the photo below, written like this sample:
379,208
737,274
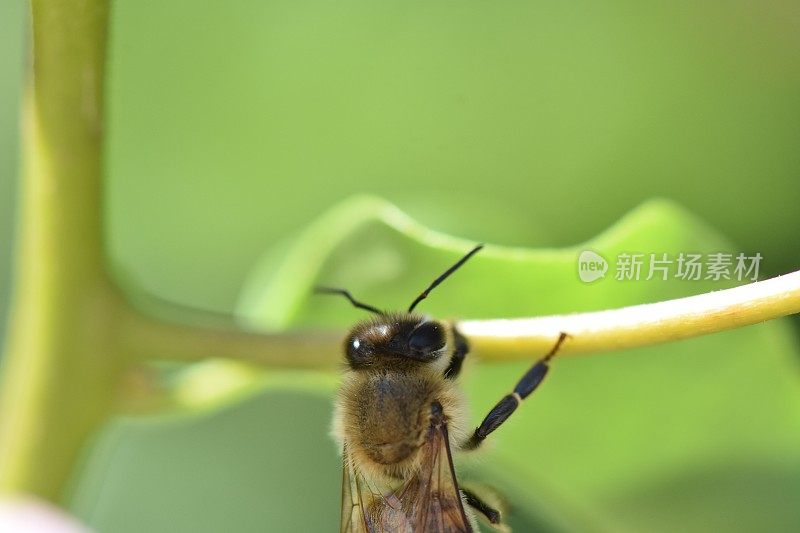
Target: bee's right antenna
346,294
443,277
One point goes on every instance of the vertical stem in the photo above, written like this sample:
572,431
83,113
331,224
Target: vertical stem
61,364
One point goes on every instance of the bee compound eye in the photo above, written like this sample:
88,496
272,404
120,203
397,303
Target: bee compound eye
427,337
358,350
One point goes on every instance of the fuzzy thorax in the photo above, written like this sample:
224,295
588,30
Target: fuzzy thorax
383,417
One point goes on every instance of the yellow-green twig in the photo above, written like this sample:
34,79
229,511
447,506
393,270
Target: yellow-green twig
60,366
639,325
143,337
493,339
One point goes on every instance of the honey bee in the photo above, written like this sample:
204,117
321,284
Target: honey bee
399,415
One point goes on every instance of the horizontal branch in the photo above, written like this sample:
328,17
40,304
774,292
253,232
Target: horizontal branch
144,337
638,325
493,340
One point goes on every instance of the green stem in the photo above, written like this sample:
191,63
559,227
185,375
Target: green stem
638,325
492,339
145,337
61,364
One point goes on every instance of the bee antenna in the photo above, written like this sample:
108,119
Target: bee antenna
443,277
346,294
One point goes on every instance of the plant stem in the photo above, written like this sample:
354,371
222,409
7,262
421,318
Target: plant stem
639,325
494,339
147,338
61,365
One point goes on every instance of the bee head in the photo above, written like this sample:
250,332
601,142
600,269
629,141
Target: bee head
405,337
408,337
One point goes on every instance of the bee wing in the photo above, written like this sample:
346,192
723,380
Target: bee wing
428,502
356,516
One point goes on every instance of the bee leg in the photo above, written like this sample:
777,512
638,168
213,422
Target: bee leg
459,353
510,402
491,514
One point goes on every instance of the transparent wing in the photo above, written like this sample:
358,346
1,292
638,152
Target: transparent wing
355,514
431,499
428,502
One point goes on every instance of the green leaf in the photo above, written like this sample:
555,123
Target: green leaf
666,438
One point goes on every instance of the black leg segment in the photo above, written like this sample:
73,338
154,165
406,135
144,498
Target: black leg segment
459,353
510,402
491,514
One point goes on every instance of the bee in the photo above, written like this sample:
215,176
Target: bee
399,415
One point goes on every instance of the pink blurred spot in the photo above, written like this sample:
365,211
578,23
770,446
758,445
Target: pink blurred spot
29,515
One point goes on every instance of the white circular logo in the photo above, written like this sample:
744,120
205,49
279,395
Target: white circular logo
591,266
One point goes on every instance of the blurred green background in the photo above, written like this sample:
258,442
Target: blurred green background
232,126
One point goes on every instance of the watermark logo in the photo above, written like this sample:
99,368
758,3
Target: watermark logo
683,266
591,266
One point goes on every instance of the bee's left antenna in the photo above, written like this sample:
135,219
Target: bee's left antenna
346,294
443,277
